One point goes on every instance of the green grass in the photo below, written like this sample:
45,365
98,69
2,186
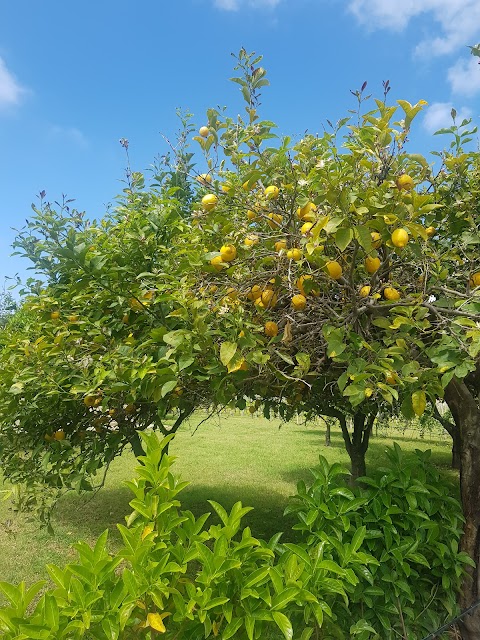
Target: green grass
237,457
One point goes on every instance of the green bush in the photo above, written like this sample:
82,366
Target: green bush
403,517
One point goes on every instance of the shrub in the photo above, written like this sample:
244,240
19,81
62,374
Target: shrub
404,518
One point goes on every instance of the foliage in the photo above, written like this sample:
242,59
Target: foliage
403,517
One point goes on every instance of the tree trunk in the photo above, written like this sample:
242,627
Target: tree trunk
456,459
466,413
136,443
356,444
454,431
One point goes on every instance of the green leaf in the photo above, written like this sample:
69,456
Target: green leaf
283,598
343,237
227,351
363,237
168,387
283,624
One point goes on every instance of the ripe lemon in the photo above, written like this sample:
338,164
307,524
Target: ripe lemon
368,392
294,254
334,269
204,178
372,264
430,231
312,291
59,435
281,244
475,279
389,293
274,220
259,304
272,192
390,379
305,228
254,293
209,201
228,252
250,240
405,182
308,209
400,238
89,401
251,215
55,315
204,131
376,239
73,318
365,291
232,293
299,302
271,329
227,188
217,263
269,298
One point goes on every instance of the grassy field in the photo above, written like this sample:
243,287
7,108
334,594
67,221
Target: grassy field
237,457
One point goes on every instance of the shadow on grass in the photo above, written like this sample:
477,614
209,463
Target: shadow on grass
89,516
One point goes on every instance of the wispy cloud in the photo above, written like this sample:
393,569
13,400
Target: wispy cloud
70,134
236,5
464,76
11,91
457,20
439,115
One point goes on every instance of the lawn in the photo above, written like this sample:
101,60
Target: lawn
235,457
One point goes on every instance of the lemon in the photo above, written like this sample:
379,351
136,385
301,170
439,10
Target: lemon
271,329
334,269
274,220
312,291
272,192
376,239
400,238
228,252
475,279
204,178
204,131
372,264
430,231
308,209
251,215
59,435
390,293
217,263
209,201
294,254
365,291
55,315
405,182
299,302
254,293
250,240
305,228
281,244
269,298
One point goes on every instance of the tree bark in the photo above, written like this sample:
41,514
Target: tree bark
465,410
356,443
454,433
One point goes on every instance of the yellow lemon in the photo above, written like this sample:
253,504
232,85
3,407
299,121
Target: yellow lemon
59,435
228,252
209,201
334,269
294,254
368,392
269,298
204,131
376,239
254,293
271,329
405,182
475,279
430,231
250,240
389,293
73,318
390,379
299,302
272,192
307,209
89,401
227,188
217,263
365,291
55,315
400,238
312,291
204,178
281,244
251,215
305,228
274,220
232,293
372,264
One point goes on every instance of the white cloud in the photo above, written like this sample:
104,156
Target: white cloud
10,91
458,20
235,5
71,134
464,76
439,116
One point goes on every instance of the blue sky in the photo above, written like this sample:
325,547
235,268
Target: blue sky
77,77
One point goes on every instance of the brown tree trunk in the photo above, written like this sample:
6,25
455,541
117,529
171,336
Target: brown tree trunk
466,413
454,433
356,443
